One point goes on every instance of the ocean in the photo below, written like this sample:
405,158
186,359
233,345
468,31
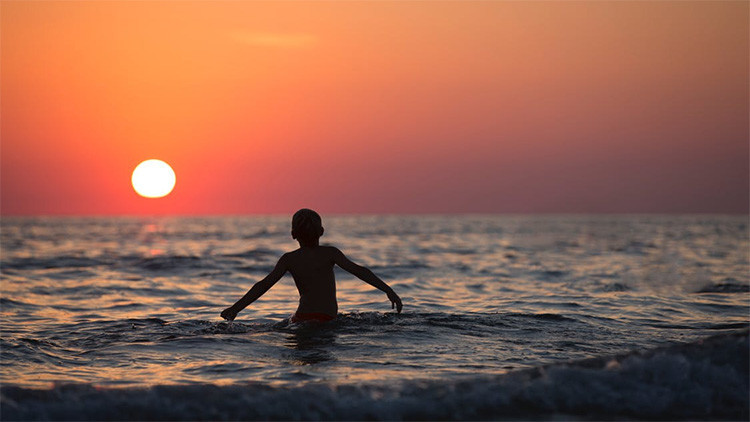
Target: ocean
505,317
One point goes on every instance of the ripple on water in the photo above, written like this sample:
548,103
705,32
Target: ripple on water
481,294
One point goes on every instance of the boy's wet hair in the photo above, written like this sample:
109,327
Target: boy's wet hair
306,225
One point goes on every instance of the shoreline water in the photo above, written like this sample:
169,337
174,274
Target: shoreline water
701,380
504,317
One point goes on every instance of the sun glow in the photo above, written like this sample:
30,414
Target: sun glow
153,179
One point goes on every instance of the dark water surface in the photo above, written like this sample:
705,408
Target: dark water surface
113,313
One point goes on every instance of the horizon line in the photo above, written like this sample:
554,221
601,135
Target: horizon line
382,214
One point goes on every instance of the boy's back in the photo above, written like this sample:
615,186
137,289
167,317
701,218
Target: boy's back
312,270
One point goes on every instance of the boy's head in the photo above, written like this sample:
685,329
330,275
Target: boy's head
307,226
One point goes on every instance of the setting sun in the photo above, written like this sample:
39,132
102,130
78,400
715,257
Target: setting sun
153,179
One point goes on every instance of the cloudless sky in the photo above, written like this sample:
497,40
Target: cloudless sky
376,107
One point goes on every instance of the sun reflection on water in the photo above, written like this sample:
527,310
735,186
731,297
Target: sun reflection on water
133,302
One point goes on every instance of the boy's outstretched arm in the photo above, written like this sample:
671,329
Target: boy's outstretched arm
364,274
256,291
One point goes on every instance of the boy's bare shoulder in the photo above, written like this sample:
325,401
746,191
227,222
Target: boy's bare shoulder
288,256
329,253
325,252
326,249
332,250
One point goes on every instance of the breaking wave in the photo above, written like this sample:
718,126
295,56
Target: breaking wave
707,379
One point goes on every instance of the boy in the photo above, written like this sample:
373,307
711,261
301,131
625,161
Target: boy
311,267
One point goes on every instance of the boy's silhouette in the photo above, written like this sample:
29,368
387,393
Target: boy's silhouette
311,267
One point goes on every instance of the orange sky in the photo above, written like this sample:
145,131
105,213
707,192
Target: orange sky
371,107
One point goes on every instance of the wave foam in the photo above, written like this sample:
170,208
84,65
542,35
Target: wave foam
702,380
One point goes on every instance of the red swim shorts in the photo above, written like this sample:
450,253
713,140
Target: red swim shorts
311,316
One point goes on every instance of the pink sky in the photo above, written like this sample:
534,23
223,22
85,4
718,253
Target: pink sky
376,107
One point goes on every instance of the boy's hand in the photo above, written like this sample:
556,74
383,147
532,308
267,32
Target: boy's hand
229,314
395,301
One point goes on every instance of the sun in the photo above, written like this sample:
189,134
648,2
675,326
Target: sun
153,179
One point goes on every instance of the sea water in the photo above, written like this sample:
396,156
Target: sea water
504,317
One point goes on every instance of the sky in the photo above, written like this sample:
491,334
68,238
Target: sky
376,106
